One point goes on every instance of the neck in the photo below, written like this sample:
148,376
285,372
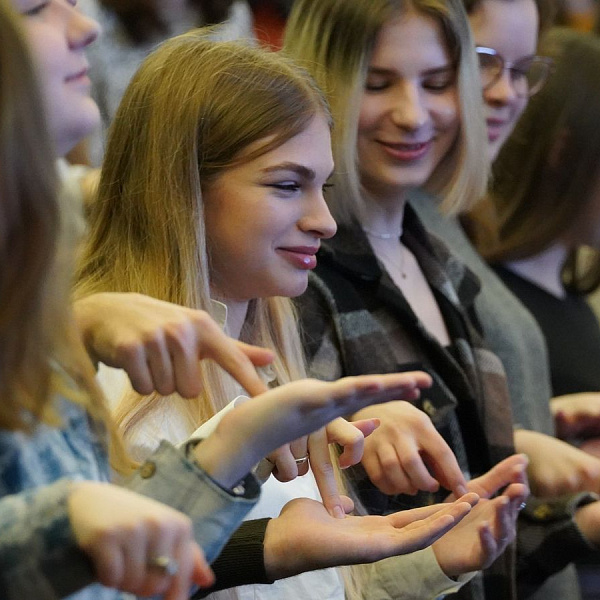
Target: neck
543,269
236,315
382,218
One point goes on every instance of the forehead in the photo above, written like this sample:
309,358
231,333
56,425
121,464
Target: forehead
310,148
410,41
508,26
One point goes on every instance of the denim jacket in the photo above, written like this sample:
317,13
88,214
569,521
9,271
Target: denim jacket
38,555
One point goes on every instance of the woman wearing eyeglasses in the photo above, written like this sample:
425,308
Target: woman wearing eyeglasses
511,74
385,293
546,207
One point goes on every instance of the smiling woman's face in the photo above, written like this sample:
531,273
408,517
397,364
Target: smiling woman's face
265,218
510,27
409,114
58,35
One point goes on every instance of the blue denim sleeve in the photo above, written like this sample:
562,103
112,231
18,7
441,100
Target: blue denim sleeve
169,477
38,555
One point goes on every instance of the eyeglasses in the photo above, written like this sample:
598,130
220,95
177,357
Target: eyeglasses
527,75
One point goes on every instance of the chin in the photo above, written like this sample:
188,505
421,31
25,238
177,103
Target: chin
294,289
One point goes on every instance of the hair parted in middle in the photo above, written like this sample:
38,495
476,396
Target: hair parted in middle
190,113
334,39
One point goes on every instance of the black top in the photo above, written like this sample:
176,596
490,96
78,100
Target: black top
572,333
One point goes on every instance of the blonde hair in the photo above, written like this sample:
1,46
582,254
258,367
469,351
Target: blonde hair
334,39
189,114
42,352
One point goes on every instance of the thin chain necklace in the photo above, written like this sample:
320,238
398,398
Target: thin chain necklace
389,236
381,236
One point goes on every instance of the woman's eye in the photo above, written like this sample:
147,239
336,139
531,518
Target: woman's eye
286,186
438,84
326,187
376,85
35,10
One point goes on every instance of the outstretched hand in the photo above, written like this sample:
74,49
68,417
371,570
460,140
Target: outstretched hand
555,467
576,415
288,412
306,537
483,535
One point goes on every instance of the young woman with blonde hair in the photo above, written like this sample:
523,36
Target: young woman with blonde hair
385,294
248,135
63,527
368,308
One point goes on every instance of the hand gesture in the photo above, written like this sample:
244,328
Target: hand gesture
128,536
259,426
306,537
406,453
556,467
159,344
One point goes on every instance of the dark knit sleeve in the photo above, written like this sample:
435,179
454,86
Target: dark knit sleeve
548,539
242,560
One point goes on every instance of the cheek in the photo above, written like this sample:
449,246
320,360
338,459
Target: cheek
517,110
446,114
370,109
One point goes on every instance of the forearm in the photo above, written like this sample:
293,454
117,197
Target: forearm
548,539
171,478
415,576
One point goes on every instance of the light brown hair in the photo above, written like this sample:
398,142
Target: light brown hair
189,114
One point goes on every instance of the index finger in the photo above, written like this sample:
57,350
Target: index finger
324,472
443,463
237,358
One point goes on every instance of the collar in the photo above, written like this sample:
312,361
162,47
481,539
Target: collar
218,311
350,253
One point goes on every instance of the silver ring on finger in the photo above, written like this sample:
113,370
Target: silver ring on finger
301,461
165,564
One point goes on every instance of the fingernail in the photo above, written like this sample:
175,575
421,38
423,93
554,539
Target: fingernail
461,490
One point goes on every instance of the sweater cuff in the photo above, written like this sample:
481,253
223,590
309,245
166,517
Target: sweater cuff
548,537
242,561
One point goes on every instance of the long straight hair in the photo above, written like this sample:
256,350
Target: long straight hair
42,352
334,40
189,114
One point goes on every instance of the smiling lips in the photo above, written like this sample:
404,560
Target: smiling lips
302,257
79,76
494,128
406,152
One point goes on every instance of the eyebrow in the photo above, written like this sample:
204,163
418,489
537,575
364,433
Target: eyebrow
301,170
434,71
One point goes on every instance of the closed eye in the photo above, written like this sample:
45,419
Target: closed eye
35,10
285,186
